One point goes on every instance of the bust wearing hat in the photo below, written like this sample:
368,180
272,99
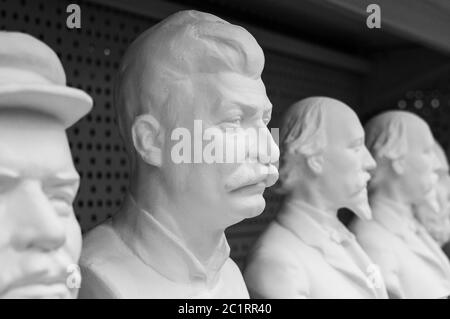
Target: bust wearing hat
40,239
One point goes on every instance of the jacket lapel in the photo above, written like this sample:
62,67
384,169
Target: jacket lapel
440,259
310,232
386,215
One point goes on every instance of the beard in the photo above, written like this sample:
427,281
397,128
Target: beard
431,201
360,206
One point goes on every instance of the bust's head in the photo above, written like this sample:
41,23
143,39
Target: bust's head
323,153
40,238
435,216
443,184
403,147
194,66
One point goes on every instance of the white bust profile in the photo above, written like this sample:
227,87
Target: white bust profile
436,220
168,241
40,239
306,252
412,263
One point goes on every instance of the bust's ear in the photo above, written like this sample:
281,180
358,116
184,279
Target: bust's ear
315,163
398,166
146,139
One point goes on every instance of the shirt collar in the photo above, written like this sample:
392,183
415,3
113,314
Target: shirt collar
162,250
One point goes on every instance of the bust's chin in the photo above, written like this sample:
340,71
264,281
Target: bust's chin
40,291
248,207
361,209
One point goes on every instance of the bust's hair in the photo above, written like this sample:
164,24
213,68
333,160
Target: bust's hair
387,140
441,155
156,72
302,132
386,136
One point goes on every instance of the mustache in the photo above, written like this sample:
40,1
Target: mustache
247,175
40,270
364,180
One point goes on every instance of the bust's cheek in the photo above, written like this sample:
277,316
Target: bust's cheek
73,238
6,225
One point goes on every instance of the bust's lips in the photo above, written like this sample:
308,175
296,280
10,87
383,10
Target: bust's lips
37,290
39,285
255,188
361,190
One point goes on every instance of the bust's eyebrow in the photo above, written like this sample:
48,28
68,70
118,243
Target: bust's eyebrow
251,107
64,179
357,142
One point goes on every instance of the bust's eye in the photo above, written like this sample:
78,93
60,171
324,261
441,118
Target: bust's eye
356,148
234,121
62,202
6,184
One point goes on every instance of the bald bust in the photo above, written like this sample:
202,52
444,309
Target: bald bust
306,252
168,241
411,262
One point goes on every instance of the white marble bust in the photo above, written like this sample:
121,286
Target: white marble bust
168,241
40,239
412,263
435,217
306,252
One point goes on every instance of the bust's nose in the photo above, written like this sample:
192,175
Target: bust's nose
369,162
37,224
265,150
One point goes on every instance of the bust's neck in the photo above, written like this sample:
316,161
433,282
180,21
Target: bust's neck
183,222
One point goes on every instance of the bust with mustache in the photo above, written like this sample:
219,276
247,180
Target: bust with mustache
168,241
306,252
411,262
40,238
436,218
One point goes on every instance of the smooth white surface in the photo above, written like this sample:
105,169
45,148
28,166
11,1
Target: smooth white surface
437,222
134,256
39,234
297,257
32,77
191,66
324,167
412,263
40,239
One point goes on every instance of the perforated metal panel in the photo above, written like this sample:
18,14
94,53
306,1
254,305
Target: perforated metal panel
432,103
91,57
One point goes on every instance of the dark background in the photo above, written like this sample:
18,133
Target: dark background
320,47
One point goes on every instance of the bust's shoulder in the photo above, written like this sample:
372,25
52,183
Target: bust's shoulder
106,262
101,242
277,246
372,233
360,227
278,240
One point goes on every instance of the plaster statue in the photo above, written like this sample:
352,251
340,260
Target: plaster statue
167,241
411,262
437,221
40,239
306,252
